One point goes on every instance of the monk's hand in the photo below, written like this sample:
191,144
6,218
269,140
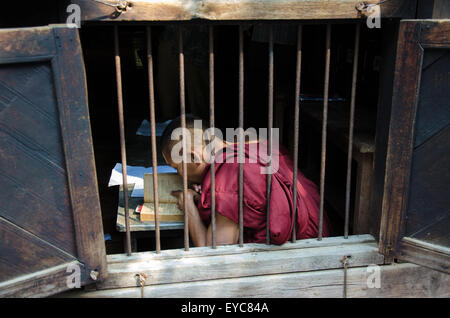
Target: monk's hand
197,187
190,196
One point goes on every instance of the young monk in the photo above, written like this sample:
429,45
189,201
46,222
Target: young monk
226,196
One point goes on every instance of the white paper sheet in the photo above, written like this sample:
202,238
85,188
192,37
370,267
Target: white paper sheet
135,174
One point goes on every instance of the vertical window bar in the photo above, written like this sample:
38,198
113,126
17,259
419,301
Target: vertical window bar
296,127
212,124
153,137
269,126
351,126
183,126
241,137
324,129
122,139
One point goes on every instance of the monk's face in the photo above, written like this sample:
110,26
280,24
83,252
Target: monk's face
194,170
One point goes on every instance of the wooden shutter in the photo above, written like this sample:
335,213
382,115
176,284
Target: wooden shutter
416,204
50,219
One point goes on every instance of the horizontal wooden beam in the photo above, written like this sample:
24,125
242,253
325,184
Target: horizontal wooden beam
39,284
425,254
232,10
396,280
235,249
165,271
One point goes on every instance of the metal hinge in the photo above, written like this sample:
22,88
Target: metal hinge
120,5
365,8
141,278
344,262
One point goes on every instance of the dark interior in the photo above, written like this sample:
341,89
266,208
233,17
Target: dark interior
98,48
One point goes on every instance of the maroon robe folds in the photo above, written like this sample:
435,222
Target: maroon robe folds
281,203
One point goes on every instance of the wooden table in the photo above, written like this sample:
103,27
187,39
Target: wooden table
135,223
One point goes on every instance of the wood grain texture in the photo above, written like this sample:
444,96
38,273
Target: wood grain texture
397,280
400,155
71,93
386,82
441,9
32,169
234,249
362,217
435,33
216,10
25,43
50,210
428,208
192,269
24,253
39,284
401,132
429,256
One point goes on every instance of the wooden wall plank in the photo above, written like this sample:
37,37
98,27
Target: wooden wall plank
68,67
401,131
25,42
414,251
397,280
240,265
216,10
50,211
389,36
40,284
24,253
428,200
435,32
234,249
441,9
35,195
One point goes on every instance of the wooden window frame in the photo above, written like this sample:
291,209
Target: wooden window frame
414,37
231,261
231,10
123,269
59,46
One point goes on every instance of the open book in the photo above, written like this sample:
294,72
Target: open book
167,204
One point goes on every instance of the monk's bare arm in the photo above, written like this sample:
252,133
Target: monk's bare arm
227,232
197,230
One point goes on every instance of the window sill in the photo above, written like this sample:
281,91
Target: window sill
205,263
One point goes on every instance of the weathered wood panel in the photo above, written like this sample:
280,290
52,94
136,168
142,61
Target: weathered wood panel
389,36
433,111
240,265
398,161
24,253
435,33
39,284
397,280
216,10
416,181
233,249
25,44
441,9
50,212
425,254
68,68
32,171
428,210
